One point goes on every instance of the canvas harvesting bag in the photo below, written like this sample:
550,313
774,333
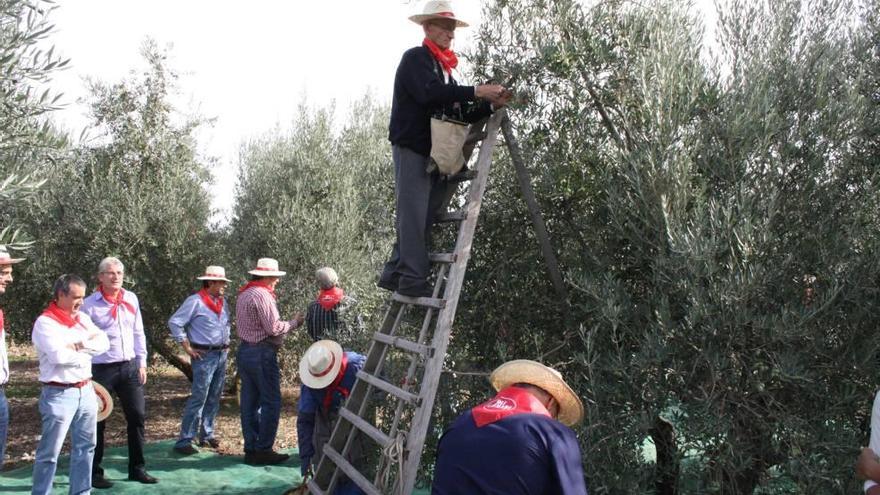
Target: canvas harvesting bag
447,141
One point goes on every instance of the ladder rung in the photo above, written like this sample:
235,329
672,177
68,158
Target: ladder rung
375,433
430,302
381,384
404,344
475,136
350,471
451,216
314,489
443,257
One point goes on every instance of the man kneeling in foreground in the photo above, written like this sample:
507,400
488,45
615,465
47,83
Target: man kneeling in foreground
518,442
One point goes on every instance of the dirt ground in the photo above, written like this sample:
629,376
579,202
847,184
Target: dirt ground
167,390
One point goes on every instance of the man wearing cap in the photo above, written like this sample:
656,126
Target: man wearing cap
423,87
6,262
328,375
518,442
261,330
201,326
65,340
123,368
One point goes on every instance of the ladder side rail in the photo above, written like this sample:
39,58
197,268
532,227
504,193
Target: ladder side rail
433,368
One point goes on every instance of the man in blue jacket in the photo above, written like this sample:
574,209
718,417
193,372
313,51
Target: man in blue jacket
424,87
328,375
517,443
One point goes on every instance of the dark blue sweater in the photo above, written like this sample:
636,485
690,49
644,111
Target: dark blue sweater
522,454
419,93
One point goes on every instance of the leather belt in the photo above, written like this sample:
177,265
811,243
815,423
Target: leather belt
209,347
69,385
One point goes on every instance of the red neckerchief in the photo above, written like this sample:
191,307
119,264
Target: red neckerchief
328,298
61,316
215,306
446,57
119,301
258,283
1,322
335,386
510,401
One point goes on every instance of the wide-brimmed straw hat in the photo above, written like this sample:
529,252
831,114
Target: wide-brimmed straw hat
214,273
571,409
105,402
437,9
320,364
6,259
267,267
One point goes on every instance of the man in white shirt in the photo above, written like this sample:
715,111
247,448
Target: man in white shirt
66,340
6,263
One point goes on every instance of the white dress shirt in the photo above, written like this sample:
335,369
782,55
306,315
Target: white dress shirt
58,362
4,360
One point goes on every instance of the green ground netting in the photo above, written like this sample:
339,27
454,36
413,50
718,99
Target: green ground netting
204,473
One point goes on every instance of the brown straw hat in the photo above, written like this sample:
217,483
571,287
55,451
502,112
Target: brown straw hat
571,409
105,402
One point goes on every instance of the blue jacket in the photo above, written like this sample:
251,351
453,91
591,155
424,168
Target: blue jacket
522,454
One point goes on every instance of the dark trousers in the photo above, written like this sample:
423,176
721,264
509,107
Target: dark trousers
418,196
121,378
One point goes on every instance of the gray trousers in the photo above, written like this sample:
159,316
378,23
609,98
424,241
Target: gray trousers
419,195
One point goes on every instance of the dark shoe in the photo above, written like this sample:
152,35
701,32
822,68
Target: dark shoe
99,481
188,450
143,477
210,442
387,284
250,458
269,458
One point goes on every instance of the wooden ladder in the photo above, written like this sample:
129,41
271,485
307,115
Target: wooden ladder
403,366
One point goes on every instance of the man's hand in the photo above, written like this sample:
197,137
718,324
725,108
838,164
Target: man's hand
76,346
193,353
142,375
490,92
868,465
298,319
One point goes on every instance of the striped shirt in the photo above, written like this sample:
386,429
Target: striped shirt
257,318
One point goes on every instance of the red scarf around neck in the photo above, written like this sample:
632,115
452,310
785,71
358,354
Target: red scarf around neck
336,385
115,303
259,283
215,306
446,57
1,322
61,316
329,298
507,402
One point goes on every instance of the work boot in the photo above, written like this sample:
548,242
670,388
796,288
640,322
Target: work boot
99,481
269,458
187,450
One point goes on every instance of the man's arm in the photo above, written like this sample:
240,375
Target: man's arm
57,352
180,319
96,341
140,340
566,463
270,320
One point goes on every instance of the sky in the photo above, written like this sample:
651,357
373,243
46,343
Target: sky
248,65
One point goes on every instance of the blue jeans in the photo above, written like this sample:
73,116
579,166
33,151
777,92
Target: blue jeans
4,424
75,409
209,373
260,395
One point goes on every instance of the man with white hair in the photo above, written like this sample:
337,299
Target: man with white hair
123,368
201,326
328,374
517,443
424,87
322,316
261,331
65,340
6,262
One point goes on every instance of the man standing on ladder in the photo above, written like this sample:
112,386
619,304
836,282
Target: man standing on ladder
517,443
424,87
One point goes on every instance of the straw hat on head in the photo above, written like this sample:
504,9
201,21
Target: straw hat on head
105,402
6,259
320,364
214,273
267,267
437,9
571,409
